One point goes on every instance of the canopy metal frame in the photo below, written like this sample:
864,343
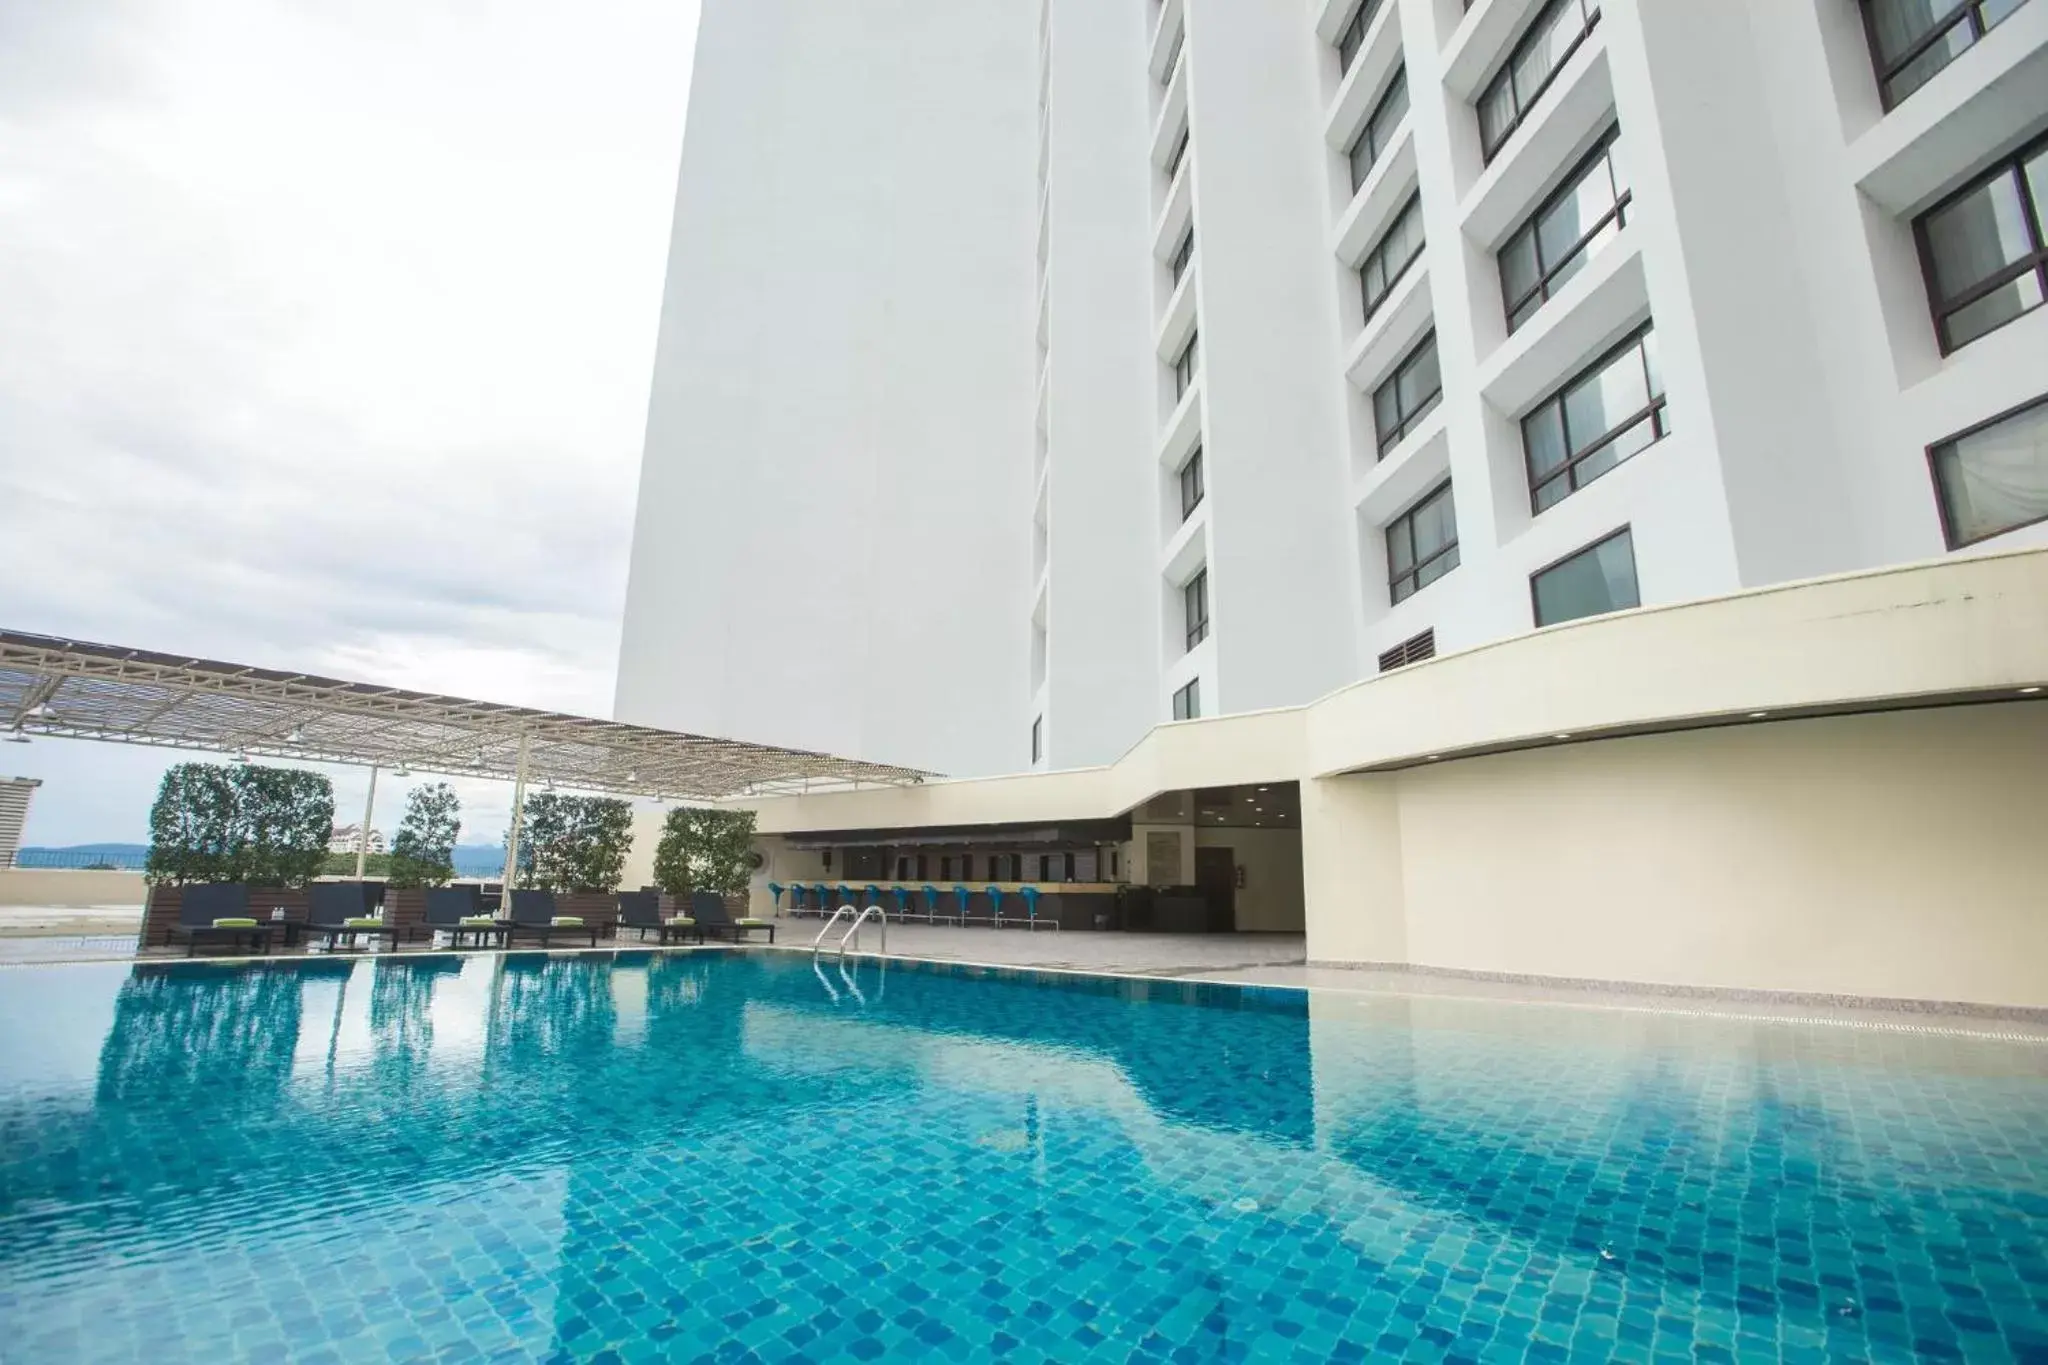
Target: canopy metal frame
75,689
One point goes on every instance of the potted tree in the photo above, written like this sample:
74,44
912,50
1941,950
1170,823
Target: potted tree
576,847
422,852
265,828
704,849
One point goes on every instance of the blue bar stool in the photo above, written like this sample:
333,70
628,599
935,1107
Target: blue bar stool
1030,895
995,906
902,901
873,893
931,903
845,894
824,894
960,894
775,890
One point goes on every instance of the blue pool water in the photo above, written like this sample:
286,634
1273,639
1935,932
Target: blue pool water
735,1156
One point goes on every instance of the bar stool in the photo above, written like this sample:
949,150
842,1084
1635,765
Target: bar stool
995,905
775,890
902,902
931,903
873,894
1030,895
824,894
960,895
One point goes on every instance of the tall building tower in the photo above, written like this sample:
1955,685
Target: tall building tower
15,795
1354,331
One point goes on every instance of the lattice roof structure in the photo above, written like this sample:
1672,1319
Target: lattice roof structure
75,689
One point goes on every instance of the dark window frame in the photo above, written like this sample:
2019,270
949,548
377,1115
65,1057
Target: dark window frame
1396,85
1194,603
1351,38
1372,305
1180,43
2034,263
1405,524
1580,172
1625,529
1948,528
1408,420
1191,497
1970,12
1187,704
1660,426
1183,255
1037,738
1187,366
1505,71
1180,155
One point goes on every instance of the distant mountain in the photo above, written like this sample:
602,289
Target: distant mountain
479,860
127,856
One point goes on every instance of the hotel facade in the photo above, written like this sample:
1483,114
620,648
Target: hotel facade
1126,392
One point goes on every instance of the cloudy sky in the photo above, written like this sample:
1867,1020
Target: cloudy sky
325,344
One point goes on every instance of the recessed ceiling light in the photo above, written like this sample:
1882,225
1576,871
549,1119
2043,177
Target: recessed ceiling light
1431,758
1565,734
41,711
2028,691
1758,715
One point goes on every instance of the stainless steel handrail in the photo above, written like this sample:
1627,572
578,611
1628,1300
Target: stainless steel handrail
852,935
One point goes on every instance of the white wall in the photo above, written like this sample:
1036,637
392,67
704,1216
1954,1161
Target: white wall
831,545
1877,856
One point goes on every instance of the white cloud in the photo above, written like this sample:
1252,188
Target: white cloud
327,339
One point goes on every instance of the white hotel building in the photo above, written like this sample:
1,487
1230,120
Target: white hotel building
1034,374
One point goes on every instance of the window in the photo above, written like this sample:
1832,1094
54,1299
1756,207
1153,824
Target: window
1037,738
1611,411
1182,254
902,868
1351,40
1422,544
1993,478
1191,484
1045,867
922,867
1598,579
1910,40
1180,41
1542,51
946,868
1412,650
1188,366
1407,395
1573,225
1379,129
1982,249
1194,599
1391,256
1187,705
1180,152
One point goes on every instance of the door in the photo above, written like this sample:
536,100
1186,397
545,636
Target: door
1216,875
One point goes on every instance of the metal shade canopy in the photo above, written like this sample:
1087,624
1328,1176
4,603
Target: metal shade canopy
77,690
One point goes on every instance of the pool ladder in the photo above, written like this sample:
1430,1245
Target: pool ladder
852,934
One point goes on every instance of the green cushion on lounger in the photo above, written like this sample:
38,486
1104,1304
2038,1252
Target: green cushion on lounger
362,922
683,920
478,919
750,922
234,922
567,921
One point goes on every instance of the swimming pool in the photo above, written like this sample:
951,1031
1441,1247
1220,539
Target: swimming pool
745,1155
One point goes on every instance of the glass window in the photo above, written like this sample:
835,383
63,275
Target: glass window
1037,738
1187,705
1188,366
1603,416
1184,253
1194,599
1391,256
1983,250
1911,40
1598,579
1180,152
1422,544
1191,484
1407,395
1379,128
1173,61
1545,46
1565,232
1994,479
1351,38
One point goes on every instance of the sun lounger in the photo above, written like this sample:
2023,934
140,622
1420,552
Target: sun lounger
218,913
533,914
338,910
459,912
708,909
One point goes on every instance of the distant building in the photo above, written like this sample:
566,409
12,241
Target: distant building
345,837
15,793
